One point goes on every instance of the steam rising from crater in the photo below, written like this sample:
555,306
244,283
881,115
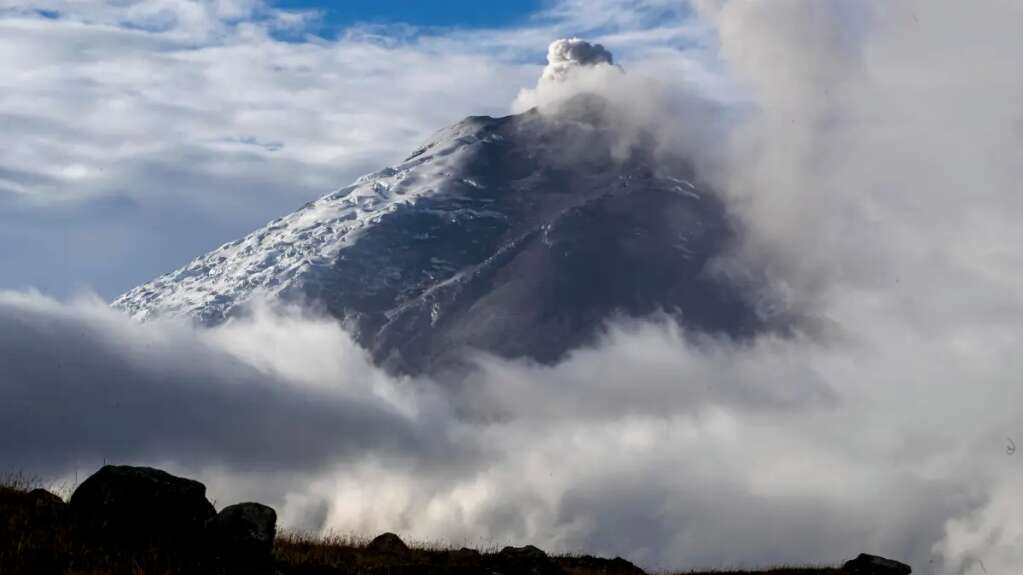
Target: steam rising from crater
574,66
568,54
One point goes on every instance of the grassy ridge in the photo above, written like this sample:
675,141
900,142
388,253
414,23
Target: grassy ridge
37,537
299,549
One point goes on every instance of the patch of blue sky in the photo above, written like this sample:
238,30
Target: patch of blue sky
335,17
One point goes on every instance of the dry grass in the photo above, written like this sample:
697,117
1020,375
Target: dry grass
785,570
18,482
349,554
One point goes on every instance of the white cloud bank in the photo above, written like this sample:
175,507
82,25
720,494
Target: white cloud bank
673,451
874,166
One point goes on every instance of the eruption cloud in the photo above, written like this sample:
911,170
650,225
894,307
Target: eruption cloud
567,54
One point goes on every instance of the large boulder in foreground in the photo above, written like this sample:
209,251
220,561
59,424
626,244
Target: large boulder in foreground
45,505
388,544
33,533
528,560
241,536
865,564
134,505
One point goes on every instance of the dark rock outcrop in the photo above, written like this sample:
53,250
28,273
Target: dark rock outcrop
865,564
242,536
45,505
598,565
527,560
388,544
33,532
466,557
140,505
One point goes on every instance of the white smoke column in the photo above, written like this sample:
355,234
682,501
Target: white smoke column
644,102
568,54
574,66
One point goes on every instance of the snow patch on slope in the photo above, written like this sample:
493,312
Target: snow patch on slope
271,260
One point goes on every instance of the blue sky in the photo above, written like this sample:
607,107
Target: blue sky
460,13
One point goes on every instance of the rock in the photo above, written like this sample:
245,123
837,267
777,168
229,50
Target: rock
45,504
527,553
865,564
525,560
33,532
43,499
466,557
140,505
597,565
388,544
242,534
27,511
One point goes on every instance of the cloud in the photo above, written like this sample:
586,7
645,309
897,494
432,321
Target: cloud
711,452
872,175
852,169
82,384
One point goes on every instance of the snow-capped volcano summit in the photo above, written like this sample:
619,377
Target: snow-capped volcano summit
519,235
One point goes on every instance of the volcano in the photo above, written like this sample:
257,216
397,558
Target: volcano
519,236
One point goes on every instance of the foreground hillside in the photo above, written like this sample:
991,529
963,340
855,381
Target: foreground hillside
143,521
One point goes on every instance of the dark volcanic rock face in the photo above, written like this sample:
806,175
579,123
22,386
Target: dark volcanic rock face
519,236
865,564
242,535
140,505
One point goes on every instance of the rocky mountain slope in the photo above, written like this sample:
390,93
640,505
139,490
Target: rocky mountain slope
519,235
